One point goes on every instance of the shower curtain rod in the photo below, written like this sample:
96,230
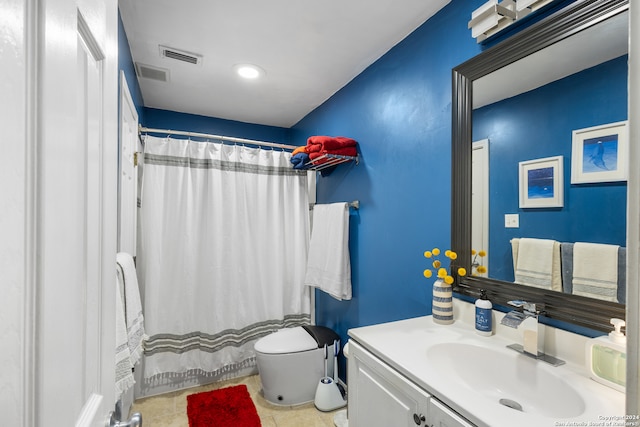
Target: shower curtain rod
219,137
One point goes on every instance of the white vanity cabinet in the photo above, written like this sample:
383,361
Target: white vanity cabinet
442,416
449,376
379,396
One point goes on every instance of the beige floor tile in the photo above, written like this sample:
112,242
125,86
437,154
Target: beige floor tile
253,383
157,406
170,410
327,417
299,417
268,421
176,420
265,407
180,400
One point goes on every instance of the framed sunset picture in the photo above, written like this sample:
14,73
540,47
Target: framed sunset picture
541,183
599,154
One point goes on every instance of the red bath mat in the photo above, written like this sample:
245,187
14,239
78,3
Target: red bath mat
225,407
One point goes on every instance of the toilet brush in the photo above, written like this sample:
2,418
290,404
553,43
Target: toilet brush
328,395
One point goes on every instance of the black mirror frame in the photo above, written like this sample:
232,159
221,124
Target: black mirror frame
576,310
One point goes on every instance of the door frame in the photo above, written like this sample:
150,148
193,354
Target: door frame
482,146
128,119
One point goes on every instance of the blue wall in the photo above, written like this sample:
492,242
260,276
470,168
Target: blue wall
591,212
399,111
163,119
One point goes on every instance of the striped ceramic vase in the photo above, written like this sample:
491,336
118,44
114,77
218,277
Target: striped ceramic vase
442,303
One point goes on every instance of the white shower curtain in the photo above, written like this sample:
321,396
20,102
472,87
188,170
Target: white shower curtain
225,231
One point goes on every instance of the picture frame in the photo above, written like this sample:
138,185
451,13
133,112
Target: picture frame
541,183
600,153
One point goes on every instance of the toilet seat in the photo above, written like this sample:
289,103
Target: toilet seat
288,340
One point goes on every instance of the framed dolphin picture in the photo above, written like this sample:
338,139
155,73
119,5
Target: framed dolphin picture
600,154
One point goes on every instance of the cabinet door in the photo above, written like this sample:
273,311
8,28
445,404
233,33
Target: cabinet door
379,396
441,416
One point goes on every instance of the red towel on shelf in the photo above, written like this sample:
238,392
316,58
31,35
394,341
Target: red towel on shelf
318,146
313,148
328,143
347,151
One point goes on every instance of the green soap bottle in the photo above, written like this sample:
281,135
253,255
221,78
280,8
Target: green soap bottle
607,357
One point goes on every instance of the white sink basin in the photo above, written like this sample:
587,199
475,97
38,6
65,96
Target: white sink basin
505,377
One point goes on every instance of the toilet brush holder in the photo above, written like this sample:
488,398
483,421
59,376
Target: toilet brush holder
328,395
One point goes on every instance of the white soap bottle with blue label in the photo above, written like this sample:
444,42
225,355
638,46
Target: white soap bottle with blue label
484,318
607,357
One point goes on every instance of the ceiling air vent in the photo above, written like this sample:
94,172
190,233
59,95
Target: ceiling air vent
153,73
180,55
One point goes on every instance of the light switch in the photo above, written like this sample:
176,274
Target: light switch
511,221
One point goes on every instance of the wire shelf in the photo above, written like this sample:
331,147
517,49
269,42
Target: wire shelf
328,160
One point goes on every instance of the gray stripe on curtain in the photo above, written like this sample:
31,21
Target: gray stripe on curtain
178,380
163,343
188,162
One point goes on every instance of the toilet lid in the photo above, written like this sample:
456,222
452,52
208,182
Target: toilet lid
288,340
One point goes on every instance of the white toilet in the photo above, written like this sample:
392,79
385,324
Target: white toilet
291,362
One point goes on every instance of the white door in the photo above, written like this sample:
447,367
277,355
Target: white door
480,198
379,396
128,171
59,70
442,416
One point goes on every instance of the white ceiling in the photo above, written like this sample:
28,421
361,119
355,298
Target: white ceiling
309,51
595,45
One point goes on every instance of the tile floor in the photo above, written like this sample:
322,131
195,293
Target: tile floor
170,410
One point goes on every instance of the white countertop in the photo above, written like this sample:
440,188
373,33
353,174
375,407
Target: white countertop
404,346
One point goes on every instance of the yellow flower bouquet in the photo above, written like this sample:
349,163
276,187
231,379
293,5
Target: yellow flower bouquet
441,271
477,264
442,304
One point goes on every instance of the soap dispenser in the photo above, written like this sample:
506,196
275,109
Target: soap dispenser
607,357
484,324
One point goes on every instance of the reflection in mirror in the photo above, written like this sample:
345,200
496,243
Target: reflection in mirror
526,96
528,110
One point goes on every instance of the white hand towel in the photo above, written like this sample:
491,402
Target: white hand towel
515,243
132,305
328,263
595,270
538,263
124,374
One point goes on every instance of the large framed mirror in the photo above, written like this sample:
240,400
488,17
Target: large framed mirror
523,99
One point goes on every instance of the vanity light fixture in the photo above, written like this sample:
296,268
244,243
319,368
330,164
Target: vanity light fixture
248,71
495,15
491,17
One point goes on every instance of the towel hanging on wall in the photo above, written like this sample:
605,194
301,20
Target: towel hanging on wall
132,305
328,263
124,375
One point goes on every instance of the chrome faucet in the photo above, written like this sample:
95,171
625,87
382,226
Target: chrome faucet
526,317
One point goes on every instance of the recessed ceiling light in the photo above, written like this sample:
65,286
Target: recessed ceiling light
248,71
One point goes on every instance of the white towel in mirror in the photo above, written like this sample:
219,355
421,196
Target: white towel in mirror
595,270
537,263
